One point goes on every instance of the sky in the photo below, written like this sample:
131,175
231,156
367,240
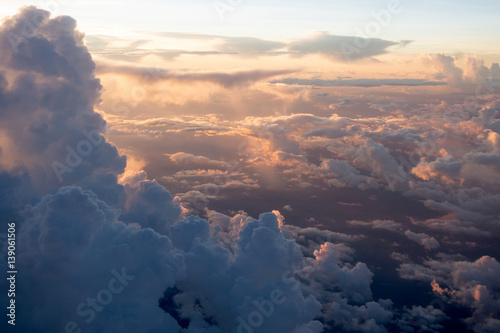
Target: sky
250,166
435,26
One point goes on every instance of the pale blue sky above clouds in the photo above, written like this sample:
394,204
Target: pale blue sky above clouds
435,26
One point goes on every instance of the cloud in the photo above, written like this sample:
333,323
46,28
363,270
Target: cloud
58,245
447,68
243,184
453,224
306,235
398,150
382,164
229,44
430,153
47,117
480,73
111,47
16,191
404,258
102,247
342,312
446,168
342,174
225,79
149,204
341,48
474,74
428,242
388,225
76,236
333,47
354,282
196,160
248,45
426,319
359,82
472,284
157,126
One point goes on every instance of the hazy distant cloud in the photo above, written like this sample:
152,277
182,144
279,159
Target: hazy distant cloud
403,152
474,75
334,47
157,126
209,45
248,45
359,82
244,184
229,44
370,153
454,225
340,48
226,79
196,160
447,68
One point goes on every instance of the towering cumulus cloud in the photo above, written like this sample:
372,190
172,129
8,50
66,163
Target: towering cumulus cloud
48,125
96,254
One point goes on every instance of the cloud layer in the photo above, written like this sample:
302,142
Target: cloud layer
100,254
103,248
